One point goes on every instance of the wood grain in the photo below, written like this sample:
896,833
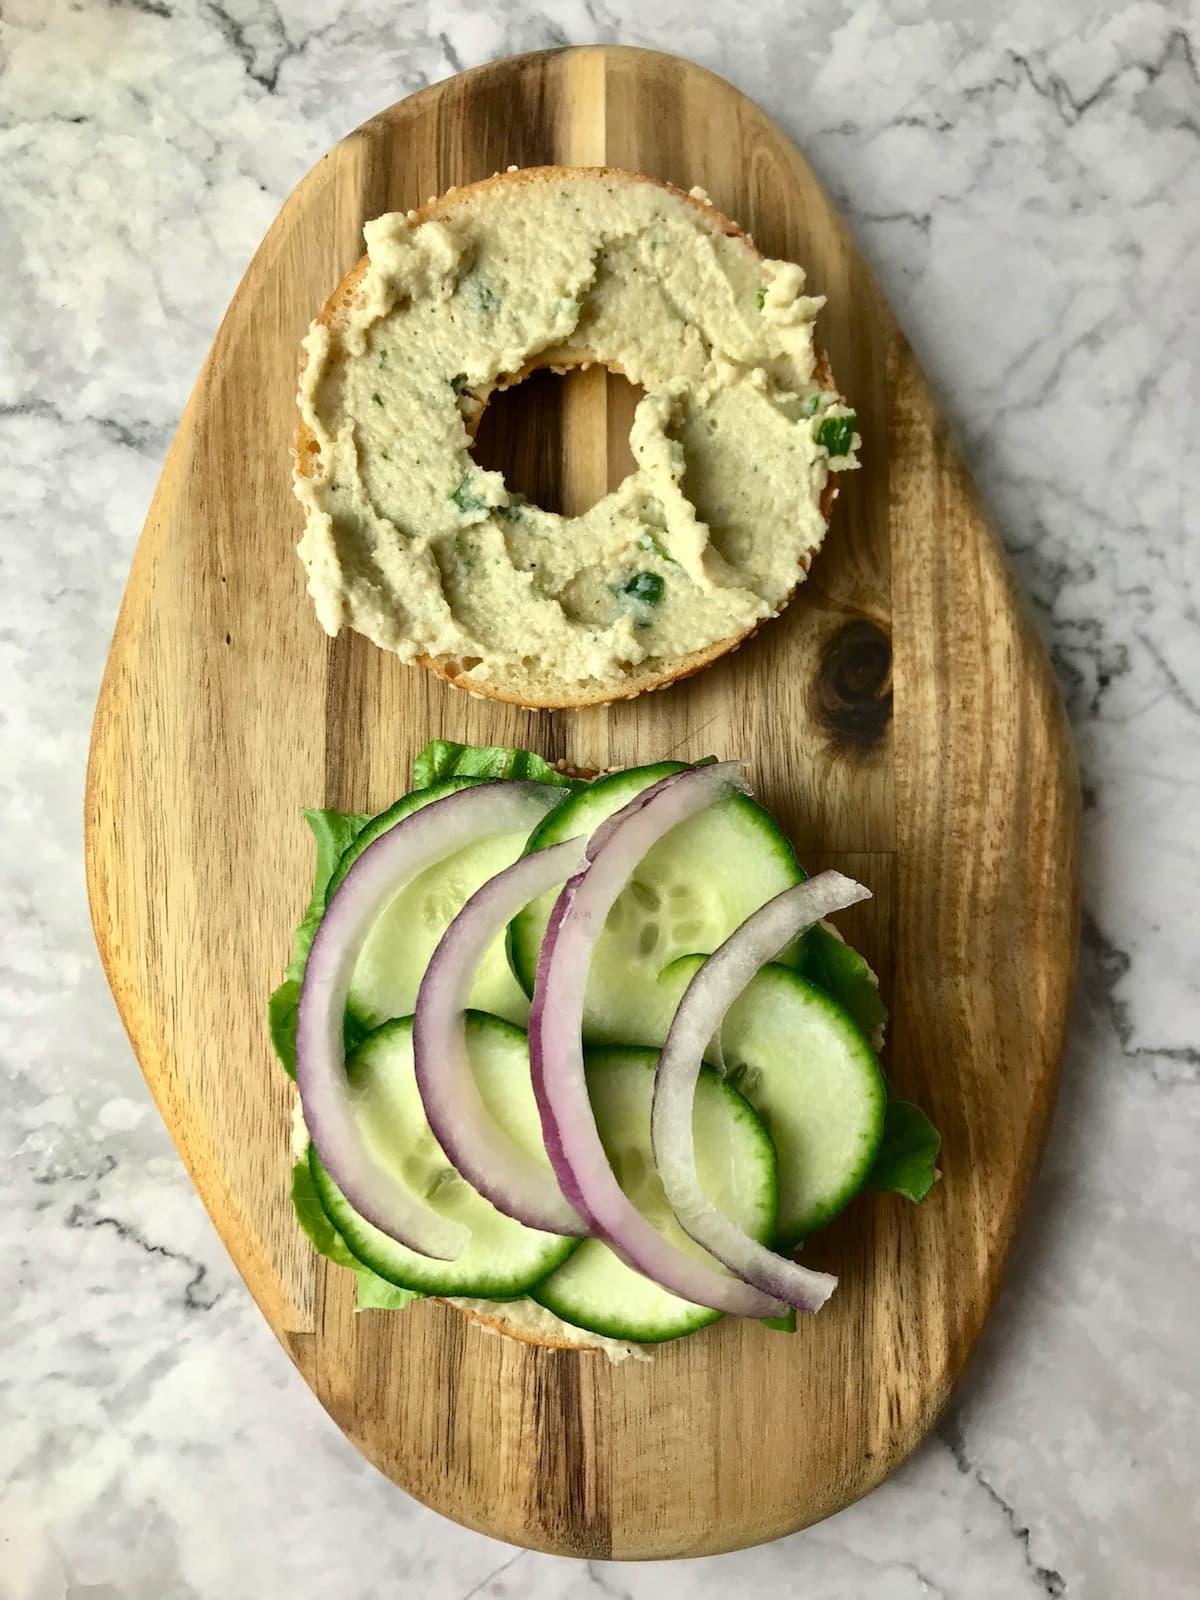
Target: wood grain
900,717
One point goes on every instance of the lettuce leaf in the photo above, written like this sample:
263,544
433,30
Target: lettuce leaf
445,759
834,966
334,832
377,1294
906,1161
282,1009
373,1292
783,1324
310,1214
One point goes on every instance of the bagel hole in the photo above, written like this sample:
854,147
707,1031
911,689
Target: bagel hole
560,439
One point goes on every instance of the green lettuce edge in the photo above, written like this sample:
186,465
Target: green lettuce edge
837,967
906,1161
373,1293
443,758
334,832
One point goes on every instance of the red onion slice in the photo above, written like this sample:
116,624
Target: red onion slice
698,1018
556,1044
486,1156
419,840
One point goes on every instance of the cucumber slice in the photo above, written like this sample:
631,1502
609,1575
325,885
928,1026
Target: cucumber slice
393,959
595,1289
688,894
805,1067
387,819
503,1257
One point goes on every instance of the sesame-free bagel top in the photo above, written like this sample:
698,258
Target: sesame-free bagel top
410,542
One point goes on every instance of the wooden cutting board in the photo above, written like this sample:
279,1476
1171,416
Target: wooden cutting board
901,718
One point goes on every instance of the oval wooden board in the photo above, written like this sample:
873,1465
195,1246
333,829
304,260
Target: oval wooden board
224,710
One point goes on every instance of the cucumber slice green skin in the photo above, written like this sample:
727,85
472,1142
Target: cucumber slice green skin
395,813
595,1289
396,953
688,894
809,1072
504,1258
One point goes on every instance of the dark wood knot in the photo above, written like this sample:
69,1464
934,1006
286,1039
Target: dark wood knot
854,683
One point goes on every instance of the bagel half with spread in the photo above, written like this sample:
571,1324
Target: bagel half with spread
736,440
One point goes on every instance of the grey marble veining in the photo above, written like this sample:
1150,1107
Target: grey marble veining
1026,181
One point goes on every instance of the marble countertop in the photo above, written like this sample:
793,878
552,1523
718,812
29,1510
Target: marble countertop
1026,181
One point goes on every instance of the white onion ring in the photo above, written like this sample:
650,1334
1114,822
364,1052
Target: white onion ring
698,1018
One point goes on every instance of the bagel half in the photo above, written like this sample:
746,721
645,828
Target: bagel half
655,672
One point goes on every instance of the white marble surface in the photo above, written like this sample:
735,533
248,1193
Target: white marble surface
1026,179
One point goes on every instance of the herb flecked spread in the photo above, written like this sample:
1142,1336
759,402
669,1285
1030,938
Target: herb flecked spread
408,541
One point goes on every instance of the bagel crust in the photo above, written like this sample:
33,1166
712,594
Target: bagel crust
410,542
528,1323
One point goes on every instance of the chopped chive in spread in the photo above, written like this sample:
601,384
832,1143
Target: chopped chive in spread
464,560
836,434
512,511
383,358
378,399
479,294
813,404
465,499
760,297
647,541
647,588
458,382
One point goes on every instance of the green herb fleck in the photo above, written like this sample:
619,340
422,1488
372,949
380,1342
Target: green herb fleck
647,588
383,358
837,434
647,541
465,499
377,397
458,382
813,404
512,511
760,297
479,294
